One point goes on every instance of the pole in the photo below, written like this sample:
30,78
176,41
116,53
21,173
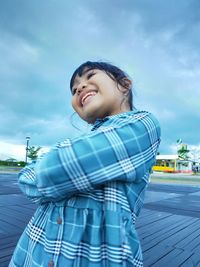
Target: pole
27,143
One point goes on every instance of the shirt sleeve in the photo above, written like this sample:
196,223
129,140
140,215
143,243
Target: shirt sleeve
124,151
27,183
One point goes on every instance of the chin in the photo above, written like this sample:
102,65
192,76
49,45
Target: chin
88,119
90,116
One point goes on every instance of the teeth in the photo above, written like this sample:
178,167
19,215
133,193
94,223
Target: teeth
87,95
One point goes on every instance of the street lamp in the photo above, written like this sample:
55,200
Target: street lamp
27,142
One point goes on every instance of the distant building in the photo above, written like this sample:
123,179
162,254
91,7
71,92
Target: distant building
172,163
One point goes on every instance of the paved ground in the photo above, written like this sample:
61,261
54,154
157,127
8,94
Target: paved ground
169,224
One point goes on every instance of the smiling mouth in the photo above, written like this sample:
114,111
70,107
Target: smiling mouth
86,98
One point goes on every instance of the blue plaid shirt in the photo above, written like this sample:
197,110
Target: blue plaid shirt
90,190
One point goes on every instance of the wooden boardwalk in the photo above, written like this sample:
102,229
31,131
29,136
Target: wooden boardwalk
168,227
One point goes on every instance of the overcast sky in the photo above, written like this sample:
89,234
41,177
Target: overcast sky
42,42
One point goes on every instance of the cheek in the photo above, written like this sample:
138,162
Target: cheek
73,102
75,105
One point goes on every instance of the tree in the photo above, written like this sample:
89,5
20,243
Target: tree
21,163
183,152
33,152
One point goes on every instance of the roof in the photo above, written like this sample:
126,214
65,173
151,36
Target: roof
167,157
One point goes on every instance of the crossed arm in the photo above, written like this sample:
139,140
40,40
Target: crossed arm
124,151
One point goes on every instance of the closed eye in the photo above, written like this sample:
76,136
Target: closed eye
90,74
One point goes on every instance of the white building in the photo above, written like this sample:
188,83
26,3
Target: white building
172,163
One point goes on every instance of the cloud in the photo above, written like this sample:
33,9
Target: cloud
42,42
8,150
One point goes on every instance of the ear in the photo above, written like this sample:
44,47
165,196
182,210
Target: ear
126,84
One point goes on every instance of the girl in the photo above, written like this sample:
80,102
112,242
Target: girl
91,189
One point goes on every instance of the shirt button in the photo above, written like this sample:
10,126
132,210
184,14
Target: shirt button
59,221
51,264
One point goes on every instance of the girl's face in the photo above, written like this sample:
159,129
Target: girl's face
95,95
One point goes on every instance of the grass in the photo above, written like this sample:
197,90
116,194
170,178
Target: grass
176,180
10,169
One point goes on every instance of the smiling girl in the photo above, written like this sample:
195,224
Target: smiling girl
90,189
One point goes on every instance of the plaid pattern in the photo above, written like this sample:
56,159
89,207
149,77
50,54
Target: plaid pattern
90,190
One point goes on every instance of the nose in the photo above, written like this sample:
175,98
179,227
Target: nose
81,86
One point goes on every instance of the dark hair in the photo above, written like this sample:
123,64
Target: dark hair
112,71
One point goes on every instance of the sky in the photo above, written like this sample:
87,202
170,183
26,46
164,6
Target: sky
42,42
